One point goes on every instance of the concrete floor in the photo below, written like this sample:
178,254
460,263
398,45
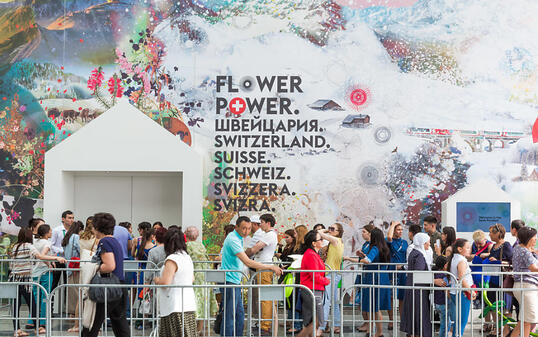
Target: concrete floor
60,326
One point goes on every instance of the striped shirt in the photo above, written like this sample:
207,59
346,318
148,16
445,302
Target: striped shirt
22,267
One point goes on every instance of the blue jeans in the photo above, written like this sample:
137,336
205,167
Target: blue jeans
328,299
465,305
234,313
41,300
358,291
441,308
298,322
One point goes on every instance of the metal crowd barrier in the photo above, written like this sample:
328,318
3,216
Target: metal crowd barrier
350,314
273,292
11,291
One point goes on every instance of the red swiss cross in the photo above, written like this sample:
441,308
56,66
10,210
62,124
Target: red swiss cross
237,105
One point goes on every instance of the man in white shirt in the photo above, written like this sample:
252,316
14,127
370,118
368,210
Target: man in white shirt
263,251
256,231
248,243
58,234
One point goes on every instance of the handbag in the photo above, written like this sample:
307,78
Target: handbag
508,280
218,321
99,294
73,264
104,293
146,307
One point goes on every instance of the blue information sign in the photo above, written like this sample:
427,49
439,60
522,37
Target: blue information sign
471,216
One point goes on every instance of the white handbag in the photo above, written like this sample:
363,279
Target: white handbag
87,272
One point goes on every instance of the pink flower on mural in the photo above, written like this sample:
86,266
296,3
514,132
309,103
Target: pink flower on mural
114,86
96,79
15,215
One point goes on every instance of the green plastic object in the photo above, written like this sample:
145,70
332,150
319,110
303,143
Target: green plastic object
288,279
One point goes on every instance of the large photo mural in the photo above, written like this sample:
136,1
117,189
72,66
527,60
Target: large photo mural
317,110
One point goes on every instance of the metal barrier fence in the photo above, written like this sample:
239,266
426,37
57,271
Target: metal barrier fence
350,318
336,301
55,326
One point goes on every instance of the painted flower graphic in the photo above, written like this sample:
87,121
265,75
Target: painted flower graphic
114,86
96,78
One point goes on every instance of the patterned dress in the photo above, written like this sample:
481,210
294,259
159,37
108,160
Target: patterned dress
204,308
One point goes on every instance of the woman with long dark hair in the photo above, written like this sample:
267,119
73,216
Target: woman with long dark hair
375,299
292,300
313,281
458,265
365,233
142,228
71,244
177,306
146,244
289,249
448,237
23,270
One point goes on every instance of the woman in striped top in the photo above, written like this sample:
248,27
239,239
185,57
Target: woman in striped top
21,271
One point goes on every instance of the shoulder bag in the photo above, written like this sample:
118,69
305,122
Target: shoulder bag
508,279
102,293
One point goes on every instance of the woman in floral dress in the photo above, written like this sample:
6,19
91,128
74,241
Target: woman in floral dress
197,252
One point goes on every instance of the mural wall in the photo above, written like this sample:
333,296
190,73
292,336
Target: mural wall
316,110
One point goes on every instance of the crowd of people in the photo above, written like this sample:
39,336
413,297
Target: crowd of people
386,258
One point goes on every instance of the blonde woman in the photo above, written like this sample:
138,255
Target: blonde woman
88,240
301,231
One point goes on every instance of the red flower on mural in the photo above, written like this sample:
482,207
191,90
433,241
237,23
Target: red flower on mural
96,79
114,86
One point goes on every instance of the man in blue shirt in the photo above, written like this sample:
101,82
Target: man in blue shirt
234,258
124,238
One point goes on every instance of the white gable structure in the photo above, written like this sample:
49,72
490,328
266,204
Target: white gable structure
482,191
123,162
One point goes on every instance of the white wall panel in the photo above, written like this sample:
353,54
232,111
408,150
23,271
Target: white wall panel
102,193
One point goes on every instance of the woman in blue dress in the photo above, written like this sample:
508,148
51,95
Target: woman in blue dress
142,252
398,248
365,232
375,299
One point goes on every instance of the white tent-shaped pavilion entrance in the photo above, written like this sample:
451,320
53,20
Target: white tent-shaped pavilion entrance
124,163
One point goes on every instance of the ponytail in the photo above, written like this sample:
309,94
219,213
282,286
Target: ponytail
459,243
145,238
74,229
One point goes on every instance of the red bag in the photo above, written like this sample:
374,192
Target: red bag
469,294
73,264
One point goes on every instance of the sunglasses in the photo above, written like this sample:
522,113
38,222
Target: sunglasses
332,229
318,240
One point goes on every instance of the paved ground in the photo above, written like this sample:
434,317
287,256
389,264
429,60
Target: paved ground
60,326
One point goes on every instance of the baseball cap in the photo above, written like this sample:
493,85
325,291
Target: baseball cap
255,218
